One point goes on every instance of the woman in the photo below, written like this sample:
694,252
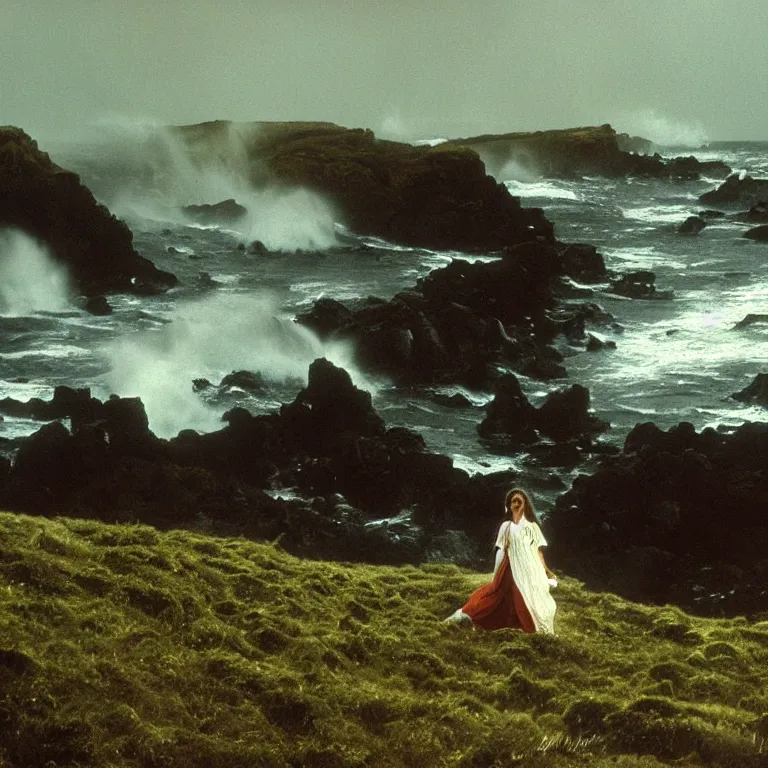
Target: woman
518,596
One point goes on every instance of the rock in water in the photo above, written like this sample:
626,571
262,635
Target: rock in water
757,233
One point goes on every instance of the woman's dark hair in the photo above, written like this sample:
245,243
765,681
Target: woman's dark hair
528,510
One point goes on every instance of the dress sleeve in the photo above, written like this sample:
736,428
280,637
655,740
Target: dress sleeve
540,540
500,539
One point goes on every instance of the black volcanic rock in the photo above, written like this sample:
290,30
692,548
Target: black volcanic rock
692,226
565,415
737,190
757,233
434,197
678,516
510,418
460,323
639,285
583,263
756,214
756,392
576,152
50,203
226,212
329,446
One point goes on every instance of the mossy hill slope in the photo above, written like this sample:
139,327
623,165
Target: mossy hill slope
123,646
434,197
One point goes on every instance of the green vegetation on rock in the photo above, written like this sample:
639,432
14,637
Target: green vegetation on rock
124,646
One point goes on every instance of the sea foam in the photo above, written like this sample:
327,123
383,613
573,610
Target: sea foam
30,280
210,338
145,173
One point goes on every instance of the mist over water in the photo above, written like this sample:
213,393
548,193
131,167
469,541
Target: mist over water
208,339
30,279
144,172
663,131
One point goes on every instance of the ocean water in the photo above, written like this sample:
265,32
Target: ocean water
678,359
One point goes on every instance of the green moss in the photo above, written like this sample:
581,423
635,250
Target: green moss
124,646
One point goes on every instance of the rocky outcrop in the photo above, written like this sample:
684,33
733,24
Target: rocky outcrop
435,197
691,226
756,392
639,285
576,152
343,471
511,423
226,212
462,322
757,233
757,214
737,190
677,517
50,203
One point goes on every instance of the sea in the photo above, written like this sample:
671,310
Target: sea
676,359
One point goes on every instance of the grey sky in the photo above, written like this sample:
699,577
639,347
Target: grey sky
402,67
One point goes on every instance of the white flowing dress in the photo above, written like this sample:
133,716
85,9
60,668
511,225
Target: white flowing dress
521,541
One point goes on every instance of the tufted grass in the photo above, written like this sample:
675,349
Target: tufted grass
124,646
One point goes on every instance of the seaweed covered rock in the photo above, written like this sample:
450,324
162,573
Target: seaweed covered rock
434,197
678,516
50,203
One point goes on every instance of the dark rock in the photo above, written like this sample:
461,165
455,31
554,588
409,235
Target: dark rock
639,285
509,418
756,214
751,319
691,226
327,317
127,428
635,144
204,280
97,305
258,248
247,380
329,407
456,400
576,152
225,212
583,263
50,203
459,322
435,197
565,415
756,392
594,344
737,190
757,233
648,520
711,214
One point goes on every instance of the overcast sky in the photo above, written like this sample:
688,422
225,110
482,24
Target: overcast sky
413,68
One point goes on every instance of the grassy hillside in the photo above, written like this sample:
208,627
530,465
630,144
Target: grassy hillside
123,646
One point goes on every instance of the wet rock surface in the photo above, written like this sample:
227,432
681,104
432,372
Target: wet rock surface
50,203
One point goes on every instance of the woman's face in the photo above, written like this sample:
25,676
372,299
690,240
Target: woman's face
517,505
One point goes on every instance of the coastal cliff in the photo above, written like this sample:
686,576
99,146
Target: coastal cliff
585,151
433,197
50,203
